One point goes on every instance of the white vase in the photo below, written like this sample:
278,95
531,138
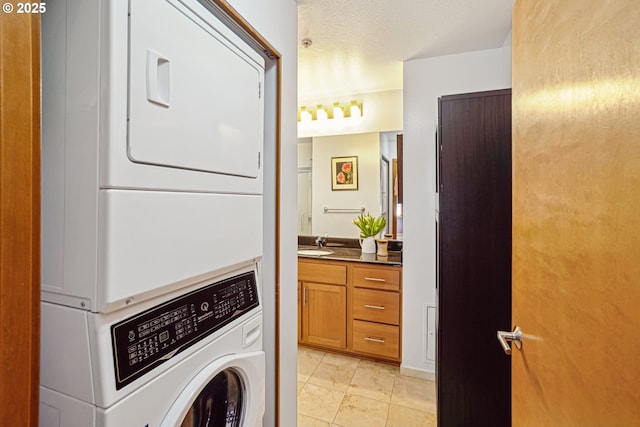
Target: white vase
368,245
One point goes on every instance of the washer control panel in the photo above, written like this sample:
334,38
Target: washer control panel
144,341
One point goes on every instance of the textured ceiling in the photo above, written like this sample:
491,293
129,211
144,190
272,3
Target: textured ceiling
359,45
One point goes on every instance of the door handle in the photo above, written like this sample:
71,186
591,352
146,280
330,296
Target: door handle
515,337
158,78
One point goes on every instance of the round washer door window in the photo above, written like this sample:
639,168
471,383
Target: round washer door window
219,404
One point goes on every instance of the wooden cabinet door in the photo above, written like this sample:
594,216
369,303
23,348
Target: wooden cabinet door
299,311
324,314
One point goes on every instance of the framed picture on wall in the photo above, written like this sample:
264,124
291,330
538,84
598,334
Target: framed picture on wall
344,173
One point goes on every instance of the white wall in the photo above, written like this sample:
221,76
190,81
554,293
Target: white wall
304,152
424,81
276,21
367,148
388,144
304,186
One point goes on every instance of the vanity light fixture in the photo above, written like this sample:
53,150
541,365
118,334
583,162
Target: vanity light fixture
339,110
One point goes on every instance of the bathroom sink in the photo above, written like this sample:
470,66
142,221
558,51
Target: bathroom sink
314,252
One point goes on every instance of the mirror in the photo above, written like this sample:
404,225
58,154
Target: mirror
324,207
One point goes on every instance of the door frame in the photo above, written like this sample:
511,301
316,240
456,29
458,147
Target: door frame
236,21
20,218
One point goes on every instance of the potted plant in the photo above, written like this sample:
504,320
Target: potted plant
370,227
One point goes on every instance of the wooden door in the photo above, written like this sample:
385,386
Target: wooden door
19,217
324,314
474,291
576,213
299,312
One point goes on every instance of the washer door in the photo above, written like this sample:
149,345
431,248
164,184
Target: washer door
219,403
229,392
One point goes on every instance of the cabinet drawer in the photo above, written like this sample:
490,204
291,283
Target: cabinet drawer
376,306
377,278
322,273
374,338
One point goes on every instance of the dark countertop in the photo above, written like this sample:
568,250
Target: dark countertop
353,254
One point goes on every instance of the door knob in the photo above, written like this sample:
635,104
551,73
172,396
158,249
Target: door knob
515,337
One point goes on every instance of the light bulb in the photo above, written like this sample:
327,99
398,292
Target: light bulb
337,111
355,109
321,113
305,116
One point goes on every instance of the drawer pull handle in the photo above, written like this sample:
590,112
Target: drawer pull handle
376,307
374,279
380,340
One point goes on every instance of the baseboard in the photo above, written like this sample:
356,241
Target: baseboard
418,373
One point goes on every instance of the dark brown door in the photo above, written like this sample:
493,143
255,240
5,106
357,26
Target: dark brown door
474,290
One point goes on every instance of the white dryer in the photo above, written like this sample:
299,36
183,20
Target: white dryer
192,359
152,139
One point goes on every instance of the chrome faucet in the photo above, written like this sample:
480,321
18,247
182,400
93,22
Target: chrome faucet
321,241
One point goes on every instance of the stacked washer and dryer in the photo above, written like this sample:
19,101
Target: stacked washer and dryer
152,137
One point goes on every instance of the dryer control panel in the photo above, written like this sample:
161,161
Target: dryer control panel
142,342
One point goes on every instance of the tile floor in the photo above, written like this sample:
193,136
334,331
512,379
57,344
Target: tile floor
342,391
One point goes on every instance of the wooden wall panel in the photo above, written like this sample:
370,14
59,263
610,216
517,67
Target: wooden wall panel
19,218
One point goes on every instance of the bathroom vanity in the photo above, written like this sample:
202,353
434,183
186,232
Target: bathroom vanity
351,303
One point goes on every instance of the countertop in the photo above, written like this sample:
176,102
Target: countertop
353,254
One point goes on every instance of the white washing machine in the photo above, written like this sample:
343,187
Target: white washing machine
152,138
188,359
